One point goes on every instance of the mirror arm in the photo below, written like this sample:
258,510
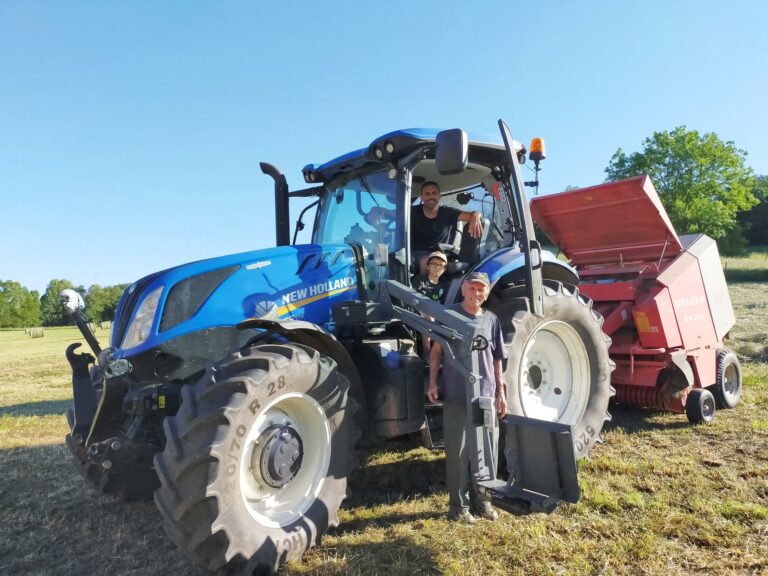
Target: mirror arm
300,223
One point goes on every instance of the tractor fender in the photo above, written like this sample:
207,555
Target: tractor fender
317,337
507,266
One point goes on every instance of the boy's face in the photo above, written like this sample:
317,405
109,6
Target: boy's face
436,266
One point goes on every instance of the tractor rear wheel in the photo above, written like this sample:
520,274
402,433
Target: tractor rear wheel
727,390
256,459
558,368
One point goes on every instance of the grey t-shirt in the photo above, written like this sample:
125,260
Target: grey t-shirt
454,387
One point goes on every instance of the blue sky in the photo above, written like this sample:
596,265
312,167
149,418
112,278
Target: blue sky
131,132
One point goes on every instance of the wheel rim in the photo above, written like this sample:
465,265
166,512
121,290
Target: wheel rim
276,488
555,374
731,381
708,408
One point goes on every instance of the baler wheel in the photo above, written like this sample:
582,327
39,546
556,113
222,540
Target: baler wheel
559,369
700,406
727,391
256,460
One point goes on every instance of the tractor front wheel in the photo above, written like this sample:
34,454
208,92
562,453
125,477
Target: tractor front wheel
256,460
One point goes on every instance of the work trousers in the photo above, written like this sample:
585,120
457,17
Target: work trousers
458,476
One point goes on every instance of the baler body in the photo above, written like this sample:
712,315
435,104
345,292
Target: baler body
663,296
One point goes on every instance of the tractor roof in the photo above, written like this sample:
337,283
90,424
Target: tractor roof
403,142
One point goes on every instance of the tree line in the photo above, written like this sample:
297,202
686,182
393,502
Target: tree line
705,186
22,308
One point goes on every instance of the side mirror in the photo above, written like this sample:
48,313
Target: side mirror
72,300
451,152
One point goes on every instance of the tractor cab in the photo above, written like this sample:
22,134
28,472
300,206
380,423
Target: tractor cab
366,197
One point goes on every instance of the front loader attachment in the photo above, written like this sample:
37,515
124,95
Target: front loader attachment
541,465
540,457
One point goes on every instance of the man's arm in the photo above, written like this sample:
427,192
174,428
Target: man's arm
475,220
435,356
501,389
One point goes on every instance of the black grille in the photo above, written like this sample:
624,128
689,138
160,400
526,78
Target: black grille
186,297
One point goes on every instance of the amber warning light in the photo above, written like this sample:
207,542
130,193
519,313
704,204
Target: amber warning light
537,150
537,154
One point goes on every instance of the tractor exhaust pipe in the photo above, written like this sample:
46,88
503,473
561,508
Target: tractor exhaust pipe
282,217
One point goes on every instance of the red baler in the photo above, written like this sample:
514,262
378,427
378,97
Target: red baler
664,298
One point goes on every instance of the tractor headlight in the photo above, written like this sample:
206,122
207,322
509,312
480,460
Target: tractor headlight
138,329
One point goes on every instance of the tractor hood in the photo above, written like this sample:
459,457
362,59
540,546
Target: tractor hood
286,282
613,223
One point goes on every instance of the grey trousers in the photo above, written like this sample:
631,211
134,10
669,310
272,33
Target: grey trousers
458,476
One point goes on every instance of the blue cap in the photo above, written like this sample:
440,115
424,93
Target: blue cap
481,277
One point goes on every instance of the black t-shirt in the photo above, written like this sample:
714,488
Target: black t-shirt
433,291
427,233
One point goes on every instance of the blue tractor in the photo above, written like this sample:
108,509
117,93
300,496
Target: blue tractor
235,389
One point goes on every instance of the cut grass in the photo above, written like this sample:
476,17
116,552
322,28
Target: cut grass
659,497
752,268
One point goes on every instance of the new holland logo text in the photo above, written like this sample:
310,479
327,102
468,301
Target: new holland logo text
303,296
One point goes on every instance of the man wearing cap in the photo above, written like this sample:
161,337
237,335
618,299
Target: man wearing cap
462,499
431,224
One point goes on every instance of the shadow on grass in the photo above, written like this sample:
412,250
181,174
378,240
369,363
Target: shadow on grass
746,274
397,556
386,520
56,523
395,481
631,420
42,408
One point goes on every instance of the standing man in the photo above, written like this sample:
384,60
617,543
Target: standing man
463,500
431,223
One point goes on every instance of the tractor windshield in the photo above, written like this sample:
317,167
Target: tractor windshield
362,210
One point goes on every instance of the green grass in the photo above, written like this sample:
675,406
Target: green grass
752,268
658,498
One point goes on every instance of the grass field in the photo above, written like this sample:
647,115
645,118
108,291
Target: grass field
660,497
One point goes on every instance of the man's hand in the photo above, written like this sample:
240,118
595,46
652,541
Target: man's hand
432,392
501,400
476,225
435,357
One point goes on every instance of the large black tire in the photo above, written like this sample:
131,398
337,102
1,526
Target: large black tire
559,369
256,459
727,390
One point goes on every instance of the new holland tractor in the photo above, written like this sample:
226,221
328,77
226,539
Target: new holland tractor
235,389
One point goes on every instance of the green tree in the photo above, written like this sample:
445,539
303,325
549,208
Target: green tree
755,221
101,302
52,311
702,181
18,306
